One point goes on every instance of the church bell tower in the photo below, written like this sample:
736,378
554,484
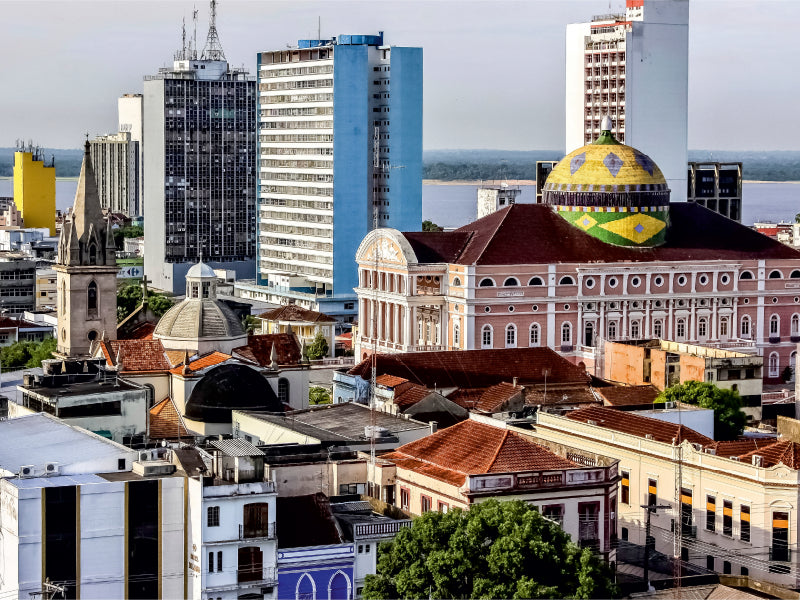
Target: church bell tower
86,271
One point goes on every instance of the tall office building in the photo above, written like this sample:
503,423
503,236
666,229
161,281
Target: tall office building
116,167
634,68
199,166
129,111
35,187
340,148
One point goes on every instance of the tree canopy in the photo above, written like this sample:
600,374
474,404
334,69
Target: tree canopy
318,348
130,296
132,231
494,550
729,420
27,354
431,226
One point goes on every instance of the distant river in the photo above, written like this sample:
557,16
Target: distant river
456,205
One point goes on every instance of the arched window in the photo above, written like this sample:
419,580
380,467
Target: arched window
339,587
283,390
486,282
702,327
658,328
92,254
306,588
511,281
456,282
680,329
774,325
588,334
536,281
744,329
456,334
511,336
566,280
775,274
774,368
91,299
533,337
793,364
611,334
795,275
566,334
635,330
251,565
723,327
795,324
486,336
746,275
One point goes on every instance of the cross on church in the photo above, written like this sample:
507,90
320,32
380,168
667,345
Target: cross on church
143,285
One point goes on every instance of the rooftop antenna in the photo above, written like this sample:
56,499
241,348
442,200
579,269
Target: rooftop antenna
213,47
319,28
194,42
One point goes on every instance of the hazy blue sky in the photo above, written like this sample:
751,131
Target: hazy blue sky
494,70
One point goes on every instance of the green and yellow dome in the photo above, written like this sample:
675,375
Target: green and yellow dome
611,191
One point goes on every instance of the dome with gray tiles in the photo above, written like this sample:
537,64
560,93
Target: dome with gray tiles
200,321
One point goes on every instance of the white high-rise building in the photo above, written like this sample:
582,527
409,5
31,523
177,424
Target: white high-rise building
634,68
129,111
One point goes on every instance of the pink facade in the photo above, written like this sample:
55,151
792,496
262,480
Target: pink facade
725,288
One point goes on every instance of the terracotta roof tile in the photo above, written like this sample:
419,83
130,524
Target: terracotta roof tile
740,447
638,425
143,331
627,395
259,348
466,397
781,451
165,422
504,237
293,312
389,381
475,368
175,357
202,362
496,397
472,448
408,394
136,355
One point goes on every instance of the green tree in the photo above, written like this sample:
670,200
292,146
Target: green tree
159,303
41,351
318,395
129,297
318,348
27,354
250,324
431,226
126,232
494,550
729,420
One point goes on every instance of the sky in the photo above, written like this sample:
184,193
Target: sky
493,69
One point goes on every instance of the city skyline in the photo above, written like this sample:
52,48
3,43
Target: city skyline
109,47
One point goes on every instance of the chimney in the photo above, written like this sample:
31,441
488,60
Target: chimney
514,382
434,426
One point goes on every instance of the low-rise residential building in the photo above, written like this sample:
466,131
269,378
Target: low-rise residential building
735,503
17,283
480,459
305,324
231,528
46,289
662,363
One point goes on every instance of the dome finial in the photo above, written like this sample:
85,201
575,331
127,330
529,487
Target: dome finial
607,124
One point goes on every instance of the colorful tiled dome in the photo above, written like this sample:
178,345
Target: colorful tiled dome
611,191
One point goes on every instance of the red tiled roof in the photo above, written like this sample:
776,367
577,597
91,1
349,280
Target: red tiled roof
475,368
494,398
201,362
293,312
638,425
259,348
136,355
466,397
8,323
534,234
782,451
627,395
143,331
472,448
408,394
740,447
389,381
165,422
175,357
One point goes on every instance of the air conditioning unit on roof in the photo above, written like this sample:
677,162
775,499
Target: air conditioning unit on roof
26,471
51,468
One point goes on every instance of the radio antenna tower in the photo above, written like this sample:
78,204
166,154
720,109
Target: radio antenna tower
194,39
213,47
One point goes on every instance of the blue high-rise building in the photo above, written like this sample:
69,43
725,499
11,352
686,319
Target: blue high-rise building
339,149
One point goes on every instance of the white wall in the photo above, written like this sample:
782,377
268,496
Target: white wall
574,124
102,540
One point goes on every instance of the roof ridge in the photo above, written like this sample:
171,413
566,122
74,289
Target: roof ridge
499,448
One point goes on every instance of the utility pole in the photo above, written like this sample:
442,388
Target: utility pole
649,510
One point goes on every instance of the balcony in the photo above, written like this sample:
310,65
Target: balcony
383,529
251,533
256,575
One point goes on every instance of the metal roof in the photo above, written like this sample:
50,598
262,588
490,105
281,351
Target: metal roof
237,447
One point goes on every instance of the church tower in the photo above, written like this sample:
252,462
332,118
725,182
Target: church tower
86,271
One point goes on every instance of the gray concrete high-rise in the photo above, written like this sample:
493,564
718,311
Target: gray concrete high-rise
199,158
116,166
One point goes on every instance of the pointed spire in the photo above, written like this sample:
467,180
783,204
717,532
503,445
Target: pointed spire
186,370
273,358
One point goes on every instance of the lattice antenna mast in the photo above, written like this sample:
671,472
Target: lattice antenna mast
374,366
194,38
213,47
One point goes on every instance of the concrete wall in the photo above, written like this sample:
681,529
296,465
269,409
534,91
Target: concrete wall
152,153
624,363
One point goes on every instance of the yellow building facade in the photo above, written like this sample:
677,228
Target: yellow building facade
35,191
